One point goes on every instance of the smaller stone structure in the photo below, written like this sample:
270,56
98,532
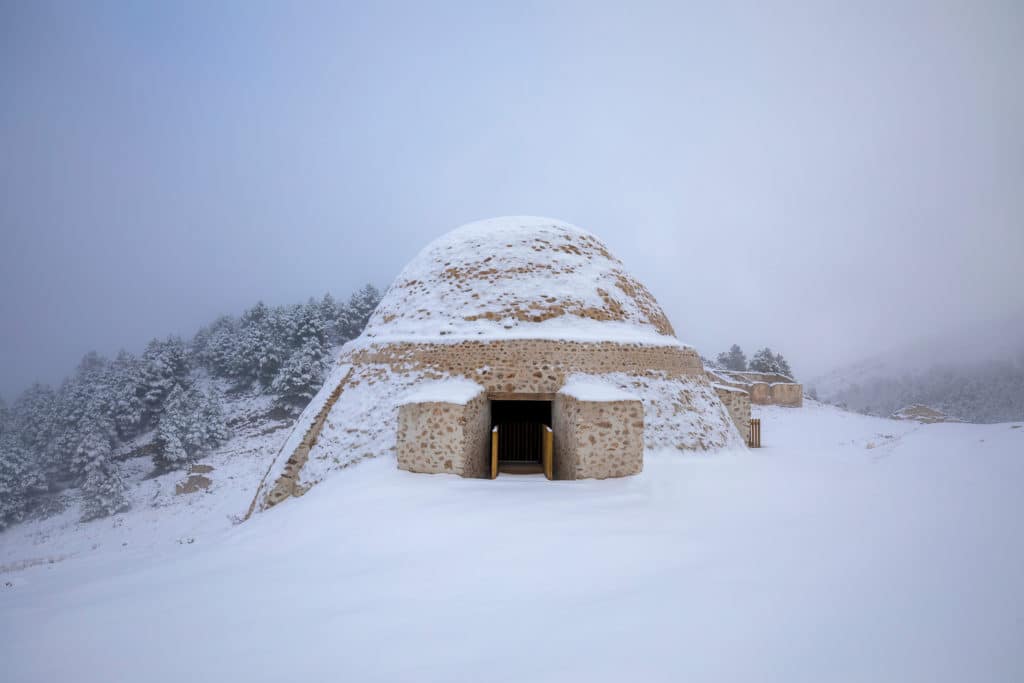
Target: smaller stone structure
764,388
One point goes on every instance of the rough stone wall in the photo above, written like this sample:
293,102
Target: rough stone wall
532,365
764,388
760,393
597,439
786,394
435,437
737,402
477,430
564,417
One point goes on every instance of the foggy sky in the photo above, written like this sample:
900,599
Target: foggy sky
831,182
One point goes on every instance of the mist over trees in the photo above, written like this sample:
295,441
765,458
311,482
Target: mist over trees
763,361
170,397
733,359
991,391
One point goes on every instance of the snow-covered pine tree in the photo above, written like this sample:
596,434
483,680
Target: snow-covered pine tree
191,422
214,430
764,361
783,366
81,413
20,479
164,366
125,386
32,417
94,439
360,307
260,350
329,315
733,359
301,375
103,492
306,324
174,429
92,462
215,346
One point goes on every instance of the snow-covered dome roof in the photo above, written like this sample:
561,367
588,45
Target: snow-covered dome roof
518,277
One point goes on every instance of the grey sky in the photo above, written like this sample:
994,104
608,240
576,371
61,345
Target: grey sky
831,181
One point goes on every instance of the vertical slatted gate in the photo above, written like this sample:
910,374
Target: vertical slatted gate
521,442
754,441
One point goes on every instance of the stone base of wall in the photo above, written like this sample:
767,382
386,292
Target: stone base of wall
787,394
449,438
597,439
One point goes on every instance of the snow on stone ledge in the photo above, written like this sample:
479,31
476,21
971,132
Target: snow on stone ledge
458,390
588,388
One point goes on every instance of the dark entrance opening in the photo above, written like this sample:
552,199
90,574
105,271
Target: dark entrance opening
521,434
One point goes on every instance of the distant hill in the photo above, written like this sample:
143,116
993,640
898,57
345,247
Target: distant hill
973,373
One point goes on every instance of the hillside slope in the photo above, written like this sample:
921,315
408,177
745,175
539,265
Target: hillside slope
975,374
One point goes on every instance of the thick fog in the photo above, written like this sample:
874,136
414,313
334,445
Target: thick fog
831,182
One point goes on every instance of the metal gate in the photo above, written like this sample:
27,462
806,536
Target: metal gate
514,443
521,442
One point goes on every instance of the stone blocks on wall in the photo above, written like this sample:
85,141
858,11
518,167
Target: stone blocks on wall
737,402
597,439
445,438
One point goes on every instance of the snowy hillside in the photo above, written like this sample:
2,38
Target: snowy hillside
849,548
975,374
117,426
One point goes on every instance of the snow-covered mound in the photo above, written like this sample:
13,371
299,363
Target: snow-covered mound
510,306
518,277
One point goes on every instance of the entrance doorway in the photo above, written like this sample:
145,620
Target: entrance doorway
521,437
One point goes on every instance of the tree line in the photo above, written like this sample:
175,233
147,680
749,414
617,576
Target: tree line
53,439
763,361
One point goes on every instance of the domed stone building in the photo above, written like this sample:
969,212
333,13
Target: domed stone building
515,344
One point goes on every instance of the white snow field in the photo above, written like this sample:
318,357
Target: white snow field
848,549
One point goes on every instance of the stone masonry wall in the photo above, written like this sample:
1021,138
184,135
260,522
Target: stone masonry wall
435,438
597,439
764,388
564,417
477,447
737,402
760,394
787,394
532,365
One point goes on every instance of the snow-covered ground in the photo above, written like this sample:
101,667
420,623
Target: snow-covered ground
850,548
